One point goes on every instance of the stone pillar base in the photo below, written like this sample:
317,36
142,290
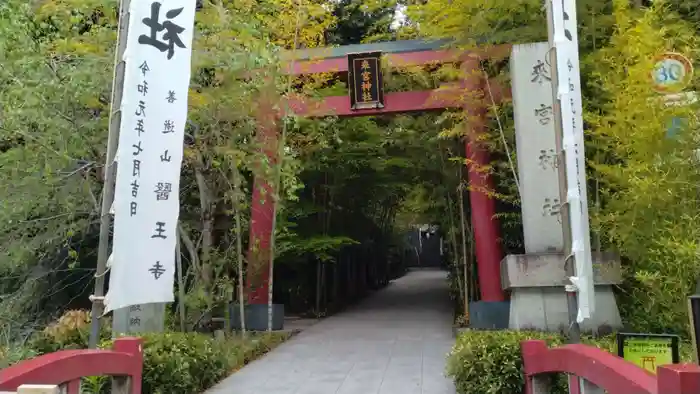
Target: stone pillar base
545,309
489,315
139,319
538,299
256,317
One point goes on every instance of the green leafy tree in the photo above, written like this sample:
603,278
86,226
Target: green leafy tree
649,180
360,20
54,148
51,145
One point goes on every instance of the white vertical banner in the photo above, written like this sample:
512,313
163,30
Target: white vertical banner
531,81
149,157
569,95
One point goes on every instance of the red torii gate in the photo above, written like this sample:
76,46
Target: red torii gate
398,53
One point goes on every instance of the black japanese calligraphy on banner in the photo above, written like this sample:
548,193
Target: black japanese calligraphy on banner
157,270
172,31
365,81
137,148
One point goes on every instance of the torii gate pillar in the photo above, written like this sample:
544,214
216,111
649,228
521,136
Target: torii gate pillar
483,207
492,311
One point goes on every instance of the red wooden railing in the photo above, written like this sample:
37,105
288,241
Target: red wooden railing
601,371
65,368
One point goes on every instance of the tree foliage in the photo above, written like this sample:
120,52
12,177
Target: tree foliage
344,180
642,182
649,179
350,187
55,146
359,21
51,145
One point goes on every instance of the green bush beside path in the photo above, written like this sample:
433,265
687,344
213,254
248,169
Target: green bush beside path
489,362
174,362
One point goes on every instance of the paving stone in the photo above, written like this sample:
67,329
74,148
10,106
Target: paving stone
394,341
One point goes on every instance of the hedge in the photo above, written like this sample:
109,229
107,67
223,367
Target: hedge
489,362
192,363
173,362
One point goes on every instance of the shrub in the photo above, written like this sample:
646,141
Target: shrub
70,331
189,362
648,178
173,362
192,363
489,362
12,355
183,363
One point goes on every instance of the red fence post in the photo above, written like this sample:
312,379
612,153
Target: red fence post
678,379
73,387
531,350
134,347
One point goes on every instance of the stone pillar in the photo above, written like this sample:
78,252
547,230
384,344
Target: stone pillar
537,279
492,310
139,319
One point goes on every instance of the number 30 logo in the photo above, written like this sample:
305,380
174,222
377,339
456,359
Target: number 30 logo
672,73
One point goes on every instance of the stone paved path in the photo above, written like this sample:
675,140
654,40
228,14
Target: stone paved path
393,342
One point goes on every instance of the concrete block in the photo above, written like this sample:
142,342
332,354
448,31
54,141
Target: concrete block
547,269
486,315
545,309
38,389
139,319
256,317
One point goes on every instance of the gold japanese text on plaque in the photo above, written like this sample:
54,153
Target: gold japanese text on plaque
365,80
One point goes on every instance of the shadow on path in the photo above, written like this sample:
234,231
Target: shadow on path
393,342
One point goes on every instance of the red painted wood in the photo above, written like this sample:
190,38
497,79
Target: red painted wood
487,232
73,387
134,347
126,359
450,96
574,385
678,379
400,102
262,212
607,371
486,227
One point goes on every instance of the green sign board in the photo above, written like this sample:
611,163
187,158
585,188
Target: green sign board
648,351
